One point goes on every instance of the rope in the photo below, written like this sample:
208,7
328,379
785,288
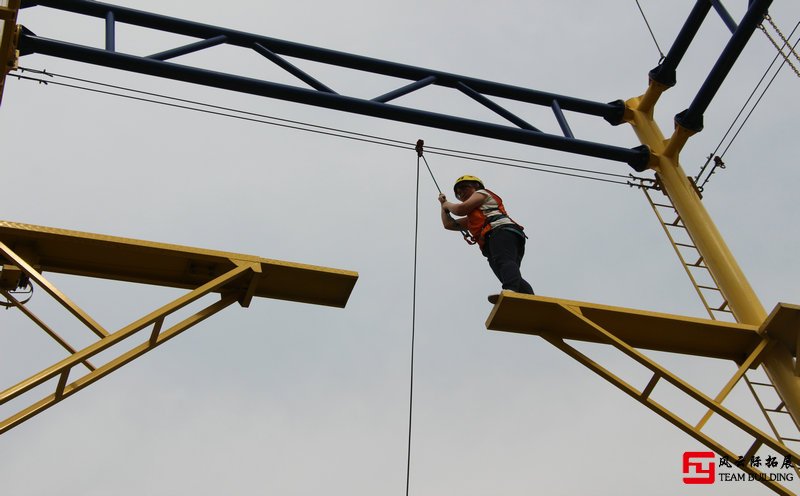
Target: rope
413,332
419,150
651,33
466,234
221,111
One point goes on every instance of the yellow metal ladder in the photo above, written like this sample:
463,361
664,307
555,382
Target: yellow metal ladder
717,306
698,272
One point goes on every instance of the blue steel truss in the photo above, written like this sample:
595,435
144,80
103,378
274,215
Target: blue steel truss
318,94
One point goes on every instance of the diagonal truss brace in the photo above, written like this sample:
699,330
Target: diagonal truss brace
63,369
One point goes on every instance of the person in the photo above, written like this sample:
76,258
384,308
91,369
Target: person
501,240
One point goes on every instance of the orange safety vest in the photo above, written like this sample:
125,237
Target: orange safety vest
479,222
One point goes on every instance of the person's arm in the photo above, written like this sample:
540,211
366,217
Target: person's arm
452,224
473,202
448,221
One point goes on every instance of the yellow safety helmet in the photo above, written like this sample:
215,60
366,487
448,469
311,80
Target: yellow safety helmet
467,178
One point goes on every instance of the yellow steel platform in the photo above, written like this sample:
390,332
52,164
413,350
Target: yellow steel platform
528,314
108,257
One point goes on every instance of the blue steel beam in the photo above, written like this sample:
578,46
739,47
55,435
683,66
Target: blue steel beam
322,95
692,117
665,73
326,56
637,157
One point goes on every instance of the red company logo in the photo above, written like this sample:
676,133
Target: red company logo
699,467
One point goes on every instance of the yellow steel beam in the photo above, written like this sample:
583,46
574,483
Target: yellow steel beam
8,36
108,257
529,314
539,315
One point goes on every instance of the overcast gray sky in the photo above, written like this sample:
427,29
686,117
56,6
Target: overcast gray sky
284,398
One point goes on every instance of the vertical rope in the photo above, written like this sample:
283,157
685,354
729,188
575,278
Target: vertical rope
413,333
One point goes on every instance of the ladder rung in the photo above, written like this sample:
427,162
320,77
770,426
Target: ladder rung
710,287
687,246
778,409
762,384
790,439
663,205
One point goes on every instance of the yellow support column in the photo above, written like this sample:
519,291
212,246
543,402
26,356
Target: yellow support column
741,298
8,37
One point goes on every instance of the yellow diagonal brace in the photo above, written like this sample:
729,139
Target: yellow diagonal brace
753,360
64,390
665,413
120,335
697,395
36,320
54,292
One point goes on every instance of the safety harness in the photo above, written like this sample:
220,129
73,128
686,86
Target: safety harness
479,222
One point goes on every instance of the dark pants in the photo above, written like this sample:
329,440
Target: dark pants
504,249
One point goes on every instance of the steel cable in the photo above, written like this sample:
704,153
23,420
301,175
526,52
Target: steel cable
244,115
